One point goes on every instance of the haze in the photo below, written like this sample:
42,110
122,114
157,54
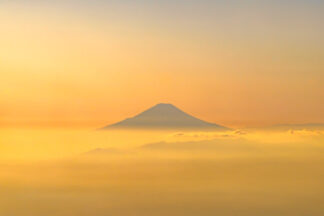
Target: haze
161,108
83,62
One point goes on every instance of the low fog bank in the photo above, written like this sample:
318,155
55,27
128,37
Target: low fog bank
227,187
235,173
229,144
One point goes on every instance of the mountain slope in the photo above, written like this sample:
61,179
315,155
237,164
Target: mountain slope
164,116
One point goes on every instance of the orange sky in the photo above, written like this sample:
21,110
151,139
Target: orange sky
92,66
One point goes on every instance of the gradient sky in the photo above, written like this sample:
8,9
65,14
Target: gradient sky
97,62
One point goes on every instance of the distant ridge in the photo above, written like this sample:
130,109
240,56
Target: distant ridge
165,116
310,126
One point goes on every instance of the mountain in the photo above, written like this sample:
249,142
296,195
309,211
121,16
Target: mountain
165,116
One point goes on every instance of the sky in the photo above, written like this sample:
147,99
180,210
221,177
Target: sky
236,63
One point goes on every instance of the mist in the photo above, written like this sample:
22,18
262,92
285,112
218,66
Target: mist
87,172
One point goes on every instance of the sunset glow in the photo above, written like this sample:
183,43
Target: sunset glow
161,108
251,64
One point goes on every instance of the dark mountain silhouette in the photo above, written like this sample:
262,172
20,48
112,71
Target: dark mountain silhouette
164,116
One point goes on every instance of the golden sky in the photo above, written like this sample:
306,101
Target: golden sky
80,62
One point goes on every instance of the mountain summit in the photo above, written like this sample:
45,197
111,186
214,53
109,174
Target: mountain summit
164,116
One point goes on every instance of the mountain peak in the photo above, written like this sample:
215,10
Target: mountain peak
164,106
164,116
161,109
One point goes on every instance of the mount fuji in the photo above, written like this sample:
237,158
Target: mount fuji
165,116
